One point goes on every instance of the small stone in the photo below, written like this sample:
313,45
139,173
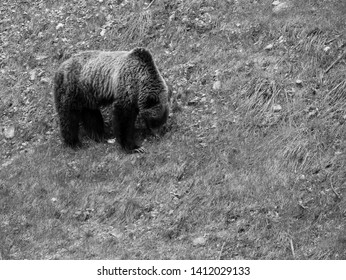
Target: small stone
313,113
45,80
199,241
32,74
41,57
277,108
281,39
217,73
103,32
54,199
326,49
7,163
9,132
78,213
192,102
59,26
171,17
116,233
217,85
223,234
280,7
269,47
299,82
111,141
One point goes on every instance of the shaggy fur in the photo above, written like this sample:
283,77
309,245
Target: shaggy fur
130,81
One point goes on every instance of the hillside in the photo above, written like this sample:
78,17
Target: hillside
252,161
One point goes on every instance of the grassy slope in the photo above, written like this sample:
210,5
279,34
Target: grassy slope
243,179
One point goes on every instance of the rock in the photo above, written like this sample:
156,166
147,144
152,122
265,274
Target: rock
59,26
41,57
32,74
326,49
313,113
280,7
7,163
276,108
9,132
172,17
116,233
269,47
217,85
103,32
192,102
45,80
111,141
275,3
224,234
199,241
281,40
299,82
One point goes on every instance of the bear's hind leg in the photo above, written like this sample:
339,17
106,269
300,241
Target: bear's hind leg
93,124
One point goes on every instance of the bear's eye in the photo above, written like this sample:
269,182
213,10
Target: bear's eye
151,101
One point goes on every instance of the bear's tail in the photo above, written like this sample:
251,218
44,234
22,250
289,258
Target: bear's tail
142,54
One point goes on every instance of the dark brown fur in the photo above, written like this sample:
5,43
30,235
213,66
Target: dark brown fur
130,81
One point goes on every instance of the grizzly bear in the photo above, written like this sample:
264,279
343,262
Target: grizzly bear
129,81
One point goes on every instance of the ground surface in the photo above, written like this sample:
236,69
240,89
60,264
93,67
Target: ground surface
252,165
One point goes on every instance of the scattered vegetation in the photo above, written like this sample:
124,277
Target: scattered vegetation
252,164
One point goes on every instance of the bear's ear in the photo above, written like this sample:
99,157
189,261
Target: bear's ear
151,101
143,55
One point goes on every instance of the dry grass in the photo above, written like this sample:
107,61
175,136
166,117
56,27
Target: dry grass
255,180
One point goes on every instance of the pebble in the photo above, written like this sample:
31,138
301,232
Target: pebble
277,108
199,241
9,132
217,85
280,7
269,47
59,26
299,82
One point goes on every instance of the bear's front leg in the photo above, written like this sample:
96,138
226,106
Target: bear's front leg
69,127
124,129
